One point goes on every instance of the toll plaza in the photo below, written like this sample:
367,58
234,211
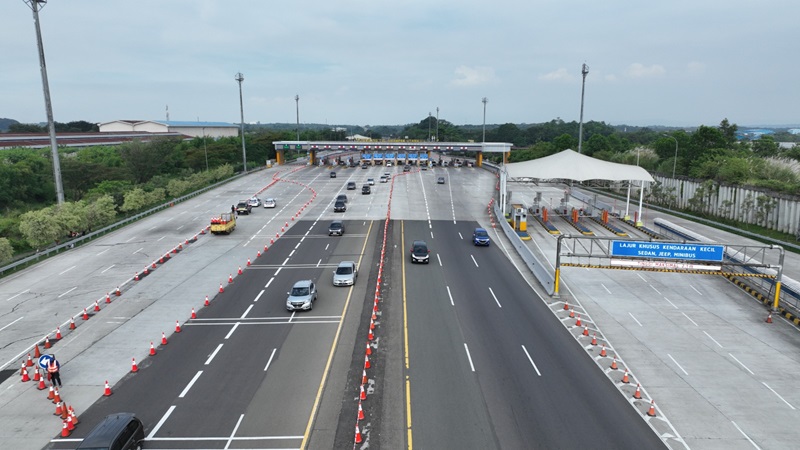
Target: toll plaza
381,152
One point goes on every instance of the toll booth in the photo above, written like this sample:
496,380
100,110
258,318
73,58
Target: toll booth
520,219
536,208
564,208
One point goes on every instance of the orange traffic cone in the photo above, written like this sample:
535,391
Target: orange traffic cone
47,342
56,395
258,255
369,349
59,409
586,330
360,412
24,373
366,362
625,377
638,393
594,339
41,386
363,394
64,430
240,270
194,314
136,276
221,289
566,306
108,297
769,318
73,415
51,394
71,323
36,375
206,302
614,364
265,248
29,362
85,314
163,338
134,367
58,333
364,377
370,336
652,411
571,313
152,349
230,278
64,411
117,292
96,306
359,439
107,390
177,327
248,262
578,322
603,351
36,352
70,425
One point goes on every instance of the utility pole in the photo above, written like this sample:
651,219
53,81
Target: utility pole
437,124
297,100
484,100
51,125
240,78
584,72
429,126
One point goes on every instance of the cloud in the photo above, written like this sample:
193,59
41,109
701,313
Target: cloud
556,75
696,68
472,76
638,70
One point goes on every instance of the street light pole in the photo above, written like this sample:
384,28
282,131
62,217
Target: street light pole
484,100
240,78
429,125
205,149
437,124
297,100
51,125
584,72
674,161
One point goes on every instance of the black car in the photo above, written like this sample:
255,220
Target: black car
364,166
243,207
406,168
341,198
351,185
365,189
333,174
121,431
339,206
336,228
420,252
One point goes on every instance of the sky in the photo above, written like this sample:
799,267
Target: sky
359,62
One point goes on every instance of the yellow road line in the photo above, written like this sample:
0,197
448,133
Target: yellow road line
405,336
333,349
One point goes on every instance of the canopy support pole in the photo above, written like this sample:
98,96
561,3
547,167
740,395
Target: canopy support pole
641,200
628,202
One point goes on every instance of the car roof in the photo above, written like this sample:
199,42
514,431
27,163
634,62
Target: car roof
420,243
480,229
107,430
302,283
347,263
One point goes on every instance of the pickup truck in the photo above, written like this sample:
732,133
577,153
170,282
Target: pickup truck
243,207
223,224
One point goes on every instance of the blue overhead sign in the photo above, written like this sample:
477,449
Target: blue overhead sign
667,250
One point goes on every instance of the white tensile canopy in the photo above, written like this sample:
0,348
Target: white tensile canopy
572,165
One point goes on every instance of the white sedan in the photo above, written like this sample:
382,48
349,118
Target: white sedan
270,203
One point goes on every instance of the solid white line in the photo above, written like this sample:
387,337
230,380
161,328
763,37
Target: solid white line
98,254
233,433
676,363
604,287
67,270
23,292
65,293
779,396
12,323
700,293
715,341
269,282
473,260
109,267
137,251
469,357
236,325
741,364
531,360
654,288
495,298
745,435
673,304
259,296
193,439
191,383
160,422
247,311
270,359
636,320
450,295
213,354
690,319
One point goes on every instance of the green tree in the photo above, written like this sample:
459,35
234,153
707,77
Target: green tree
135,200
40,228
565,141
765,146
100,212
6,250
728,131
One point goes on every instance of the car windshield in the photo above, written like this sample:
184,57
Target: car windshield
420,249
299,291
336,225
481,233
344,270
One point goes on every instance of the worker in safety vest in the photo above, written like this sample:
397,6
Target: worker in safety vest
53,369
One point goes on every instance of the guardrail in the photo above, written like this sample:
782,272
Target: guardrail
33,259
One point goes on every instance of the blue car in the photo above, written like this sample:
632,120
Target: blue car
480,237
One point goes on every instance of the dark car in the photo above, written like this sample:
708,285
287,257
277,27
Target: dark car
480,237
336,228
339,206
341,198
364,166
243,207
440,180
351,185
365,189
420,252
120,431
406,168
333,174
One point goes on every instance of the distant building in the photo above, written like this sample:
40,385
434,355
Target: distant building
194,129
794,130
753,133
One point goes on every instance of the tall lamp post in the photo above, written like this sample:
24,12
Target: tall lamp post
674,161
484,100
584,72
35,6
297,101
240,78
205,149
437,124
430,116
